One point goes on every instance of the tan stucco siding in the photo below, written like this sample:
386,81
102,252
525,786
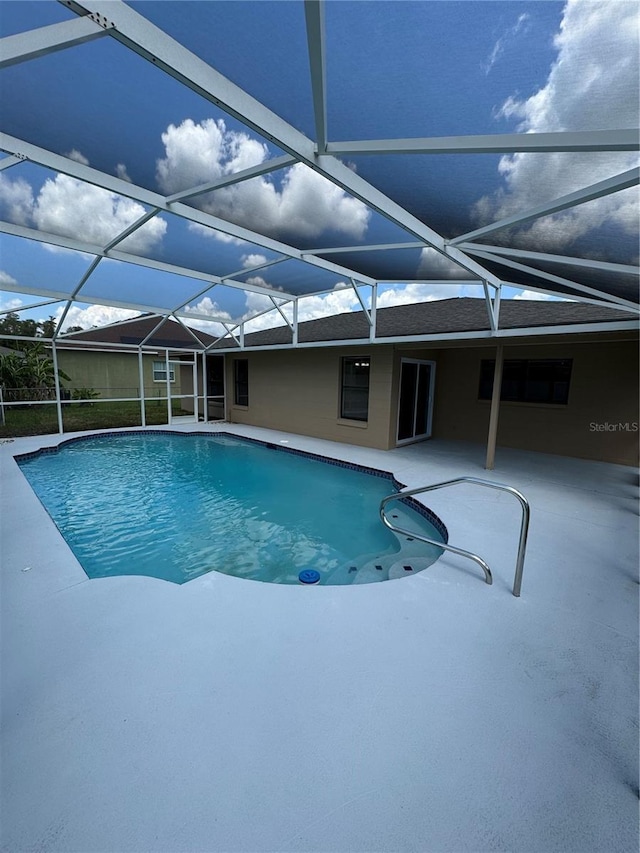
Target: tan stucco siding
113,374
299,391
603,390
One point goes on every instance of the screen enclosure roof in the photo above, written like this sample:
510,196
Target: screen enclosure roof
223,161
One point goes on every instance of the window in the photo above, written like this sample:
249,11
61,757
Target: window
160,371
528,380
241,381
354,397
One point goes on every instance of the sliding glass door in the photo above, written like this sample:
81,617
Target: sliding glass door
415,403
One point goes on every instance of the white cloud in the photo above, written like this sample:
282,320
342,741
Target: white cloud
16,199
72,208
342,299
434,264
414,293
7,280
207,306
78,156
253,260
539,297
307,205
94,315
11,304
593,84
501,43
121,172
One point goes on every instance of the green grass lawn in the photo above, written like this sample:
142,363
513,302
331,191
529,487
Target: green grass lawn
40,420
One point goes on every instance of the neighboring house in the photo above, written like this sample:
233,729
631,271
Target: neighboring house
569,386
106,360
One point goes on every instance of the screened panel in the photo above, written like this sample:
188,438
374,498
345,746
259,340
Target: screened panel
137,285
402,264
168,142
271,33
624,285
191,245
445,58
392,71
605,229
27,266
294,277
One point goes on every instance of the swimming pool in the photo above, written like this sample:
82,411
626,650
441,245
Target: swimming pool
178,505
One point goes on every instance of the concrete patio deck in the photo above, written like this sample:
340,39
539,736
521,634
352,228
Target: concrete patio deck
430,713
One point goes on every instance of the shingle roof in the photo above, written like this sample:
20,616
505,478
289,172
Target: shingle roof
444,316
170,334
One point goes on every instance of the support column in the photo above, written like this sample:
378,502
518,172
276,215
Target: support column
143,413
495,409
57,378
205,386
166,364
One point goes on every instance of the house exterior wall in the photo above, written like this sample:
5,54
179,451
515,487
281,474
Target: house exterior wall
603,390
113,374
299,391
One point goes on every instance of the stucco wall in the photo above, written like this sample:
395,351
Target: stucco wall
299,391
112,374
603,390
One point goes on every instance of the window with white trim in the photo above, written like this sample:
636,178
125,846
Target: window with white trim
160,371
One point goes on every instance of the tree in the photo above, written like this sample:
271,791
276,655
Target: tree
28,373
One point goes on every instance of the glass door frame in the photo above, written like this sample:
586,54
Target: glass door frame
430,398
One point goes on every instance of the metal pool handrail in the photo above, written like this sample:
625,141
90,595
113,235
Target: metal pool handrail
524,526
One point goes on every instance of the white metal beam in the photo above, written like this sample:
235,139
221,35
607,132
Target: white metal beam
362,305
374,312
358,187
624,139
314,16
33,43
189,330
12,160
604,266
92,249
150,42
129,231
148,337
580,298
30,306
76,290
282,314
489,306
565,282
524,332
67,166
256,268
235,178
378,247
623,181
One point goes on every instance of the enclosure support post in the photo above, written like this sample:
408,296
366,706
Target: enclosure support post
205,387
495,409
57,379
166,365
374,306
143,413
194,376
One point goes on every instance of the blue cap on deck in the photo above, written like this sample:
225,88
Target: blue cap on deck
309,576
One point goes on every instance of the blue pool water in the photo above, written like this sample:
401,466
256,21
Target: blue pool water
176,506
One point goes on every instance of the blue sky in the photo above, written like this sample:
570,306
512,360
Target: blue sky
394,69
